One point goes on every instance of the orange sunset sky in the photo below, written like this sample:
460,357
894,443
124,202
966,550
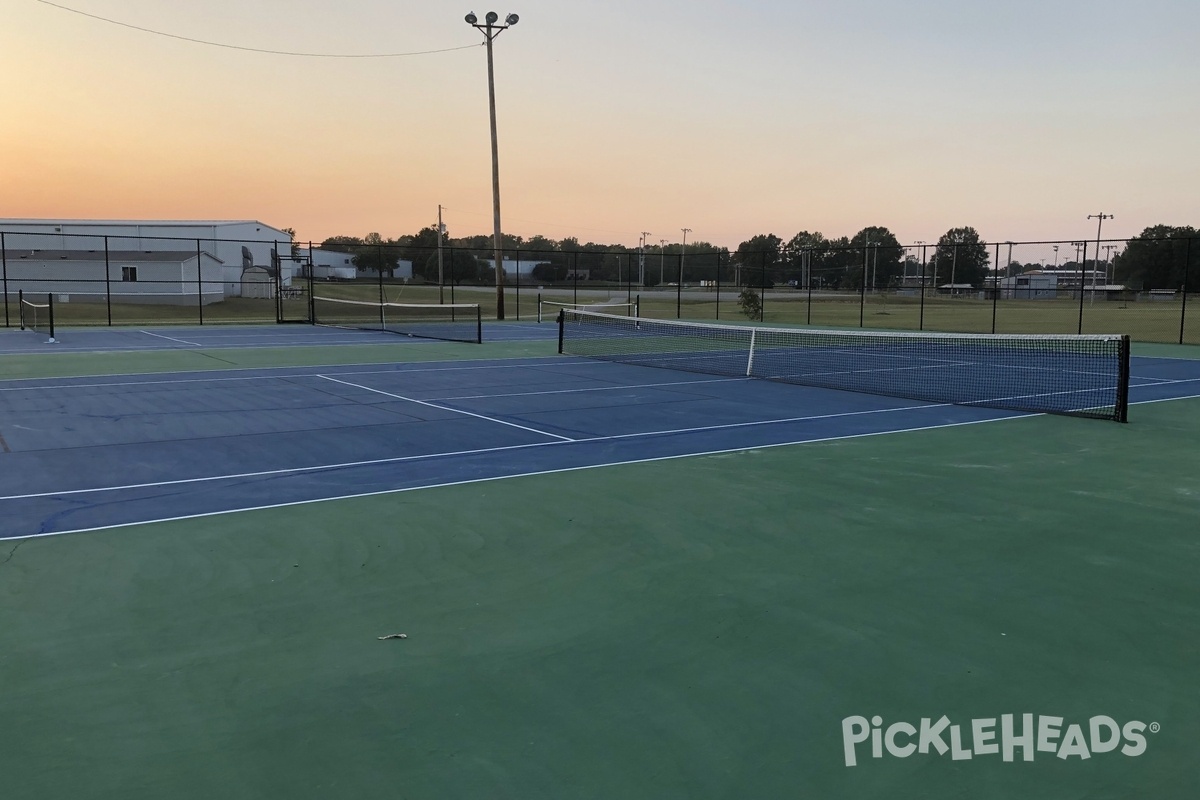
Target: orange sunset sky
731,119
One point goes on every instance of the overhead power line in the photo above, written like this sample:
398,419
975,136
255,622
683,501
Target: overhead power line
254,49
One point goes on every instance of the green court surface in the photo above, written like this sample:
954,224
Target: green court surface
691,628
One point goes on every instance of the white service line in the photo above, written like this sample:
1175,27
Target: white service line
171,339
448,408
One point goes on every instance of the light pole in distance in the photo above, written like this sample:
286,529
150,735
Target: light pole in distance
490,31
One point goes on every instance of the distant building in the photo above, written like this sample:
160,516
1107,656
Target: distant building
235,245
514,267
168,277
1030,286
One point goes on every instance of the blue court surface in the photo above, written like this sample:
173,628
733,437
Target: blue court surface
89,453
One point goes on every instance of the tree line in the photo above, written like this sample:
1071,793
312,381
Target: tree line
1162,256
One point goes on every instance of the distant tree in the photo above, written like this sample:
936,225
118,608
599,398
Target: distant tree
295,245
341,244
882,256
1159,258
458,266
549,273
960,257
376,254
539,244
759,257
419,247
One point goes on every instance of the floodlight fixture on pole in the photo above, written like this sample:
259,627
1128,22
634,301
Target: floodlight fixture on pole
491,30
642,258
441,230
683,253
1099,223
958,239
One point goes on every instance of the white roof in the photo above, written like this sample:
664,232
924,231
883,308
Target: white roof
146,222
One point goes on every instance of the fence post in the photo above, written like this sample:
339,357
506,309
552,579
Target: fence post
762,300
807,256
107,282
575,278
312,314
1082,262
199,284
379,272
862,296
996,287
921,322
679,292
4,269
1187,262
718,314
517,269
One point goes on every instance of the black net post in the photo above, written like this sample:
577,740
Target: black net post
1187,262
1121,412
199,284
50,311
107,283
996,287
561,318
478,325
21,313
4,268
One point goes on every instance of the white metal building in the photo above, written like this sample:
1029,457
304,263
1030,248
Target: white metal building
235,244
131,276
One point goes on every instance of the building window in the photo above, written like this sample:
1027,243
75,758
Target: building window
129,274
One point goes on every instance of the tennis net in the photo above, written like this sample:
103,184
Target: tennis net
454,322
548,309
38,317
1084,376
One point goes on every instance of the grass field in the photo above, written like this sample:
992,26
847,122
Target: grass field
687,629
1143,320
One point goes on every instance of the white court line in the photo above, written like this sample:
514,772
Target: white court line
480,451
614,388
171,338
1165,400
517,475
1159,381
448,408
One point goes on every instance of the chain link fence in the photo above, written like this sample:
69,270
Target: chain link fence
1145,288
